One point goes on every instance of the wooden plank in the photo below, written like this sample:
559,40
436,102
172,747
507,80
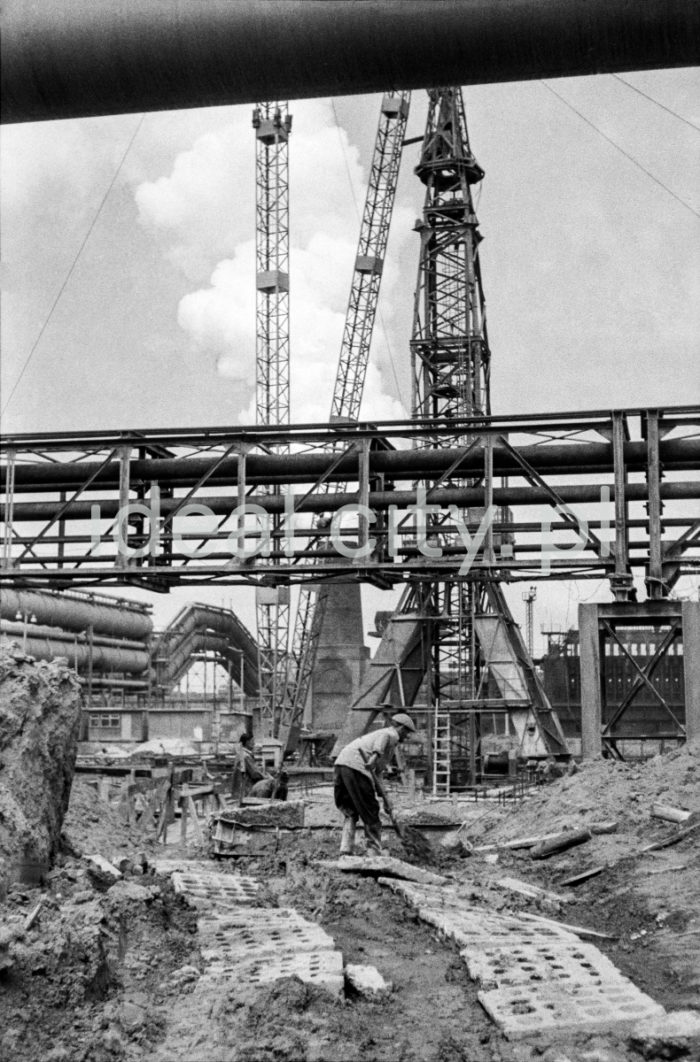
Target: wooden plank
604,827
183,819
585,875
533,892
560,843
580,931
668,813
33,915
673,839
519,842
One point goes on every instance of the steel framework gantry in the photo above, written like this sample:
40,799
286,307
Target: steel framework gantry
589,495
272,123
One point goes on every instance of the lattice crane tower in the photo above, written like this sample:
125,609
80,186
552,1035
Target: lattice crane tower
450,360
272,123
352,364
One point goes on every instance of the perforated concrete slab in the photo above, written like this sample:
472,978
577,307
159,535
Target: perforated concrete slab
212,925
535,977
522,1011
322,968
251,942
476,927
572,965
222,891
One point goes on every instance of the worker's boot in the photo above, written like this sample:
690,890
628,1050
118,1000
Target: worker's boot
347,838
374,840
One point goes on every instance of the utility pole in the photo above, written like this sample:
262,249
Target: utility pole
272,124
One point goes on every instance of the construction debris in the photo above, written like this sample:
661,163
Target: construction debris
384,866
585,875
366,980
664,811
102,872
673,838
269,814
674,1035
532,891
580,931
517,842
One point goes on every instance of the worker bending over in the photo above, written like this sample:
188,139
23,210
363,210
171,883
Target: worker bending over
355,769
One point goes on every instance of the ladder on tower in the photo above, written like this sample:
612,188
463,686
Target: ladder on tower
442,753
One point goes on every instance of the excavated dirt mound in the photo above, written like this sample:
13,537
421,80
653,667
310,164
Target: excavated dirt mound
603,790
39,720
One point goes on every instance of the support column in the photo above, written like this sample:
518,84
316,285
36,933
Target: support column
122,560
655,584
591,685
621,582
691,668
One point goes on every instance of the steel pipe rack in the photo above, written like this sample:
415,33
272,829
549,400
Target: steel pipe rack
63,495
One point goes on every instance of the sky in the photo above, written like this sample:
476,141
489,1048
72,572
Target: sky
128,264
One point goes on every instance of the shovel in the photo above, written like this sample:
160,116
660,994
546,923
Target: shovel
413,840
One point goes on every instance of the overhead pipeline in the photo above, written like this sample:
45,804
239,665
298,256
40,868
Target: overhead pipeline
79,653
377,500
73,58
424,462
204,627
78,612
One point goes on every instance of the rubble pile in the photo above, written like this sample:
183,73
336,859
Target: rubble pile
39,721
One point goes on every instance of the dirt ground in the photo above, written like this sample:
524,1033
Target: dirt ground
106,973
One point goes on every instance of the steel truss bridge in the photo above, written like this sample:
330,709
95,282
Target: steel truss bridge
602,494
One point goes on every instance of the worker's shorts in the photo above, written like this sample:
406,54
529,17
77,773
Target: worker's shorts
354,796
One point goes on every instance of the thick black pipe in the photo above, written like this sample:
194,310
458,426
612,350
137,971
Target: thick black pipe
73,58
28,512
552,458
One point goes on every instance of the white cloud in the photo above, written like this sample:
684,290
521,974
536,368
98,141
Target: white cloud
206,220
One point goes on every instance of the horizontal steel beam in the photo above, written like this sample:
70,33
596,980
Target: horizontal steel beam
72,58
157,442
